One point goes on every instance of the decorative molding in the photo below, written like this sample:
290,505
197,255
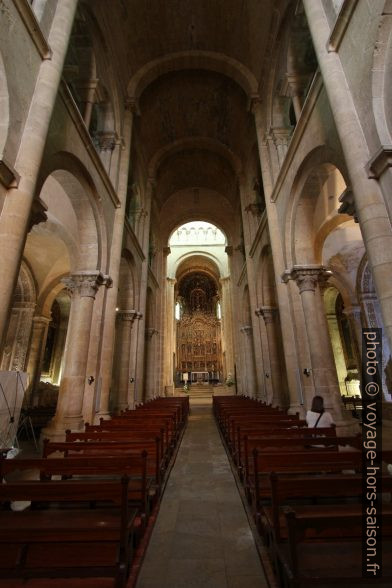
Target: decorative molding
341,24
380,162
8,176
296,138
127,315
307,277
86,284
268,313
78,121
33,28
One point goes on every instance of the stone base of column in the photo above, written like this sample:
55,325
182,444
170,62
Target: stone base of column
296,408
55,431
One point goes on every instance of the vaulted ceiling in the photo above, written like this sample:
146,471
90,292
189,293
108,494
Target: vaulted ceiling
191,66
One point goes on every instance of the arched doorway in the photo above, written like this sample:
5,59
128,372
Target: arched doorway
199,342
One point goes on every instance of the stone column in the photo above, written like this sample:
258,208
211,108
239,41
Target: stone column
338,352
150,367
125,319
269,314
169,336
18,201
353,314
281,138
36,354
135,394
143,287
115,259
89,89
227,315
369,201
251,385
83,287
323,370
286,320
297,83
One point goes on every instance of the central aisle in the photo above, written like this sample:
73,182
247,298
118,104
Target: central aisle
202,536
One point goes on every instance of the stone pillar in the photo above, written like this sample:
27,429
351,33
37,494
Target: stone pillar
18,201
135,395
83,287
323,370
125,319
227,322
286,320
369,201
269,314
169,336
150,342
353,314
36,354
18,336
115,260
89,89
338,352
107,143
250,376
143,288
297,84
57,360
281,138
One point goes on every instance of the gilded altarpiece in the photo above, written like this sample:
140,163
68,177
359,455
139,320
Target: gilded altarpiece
199,346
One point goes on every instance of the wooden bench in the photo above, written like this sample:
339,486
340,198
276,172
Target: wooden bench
325,548
311,491
114,448
63,540
141,492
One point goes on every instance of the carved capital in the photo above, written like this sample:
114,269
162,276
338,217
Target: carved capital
308,277
38,213
127,315
150,332
268,313
8,176
85,284
166,251
347,205
229,250
106,141
247,330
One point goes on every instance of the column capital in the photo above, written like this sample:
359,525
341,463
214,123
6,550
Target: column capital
132,105
229,250
41,320
225,280
166,251
86,284
107,140
127,315
307,277
268,313
281,135
171,281
347,205
246,329
150,332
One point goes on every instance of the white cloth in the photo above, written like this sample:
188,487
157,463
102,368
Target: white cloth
326,419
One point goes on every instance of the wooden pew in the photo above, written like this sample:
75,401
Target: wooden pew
140,488
325,549
64,540
289,489
298,462
114,448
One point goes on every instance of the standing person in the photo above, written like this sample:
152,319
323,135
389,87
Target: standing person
317,416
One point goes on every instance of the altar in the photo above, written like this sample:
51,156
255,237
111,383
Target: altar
200,377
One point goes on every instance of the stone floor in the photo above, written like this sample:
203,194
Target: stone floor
202,536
